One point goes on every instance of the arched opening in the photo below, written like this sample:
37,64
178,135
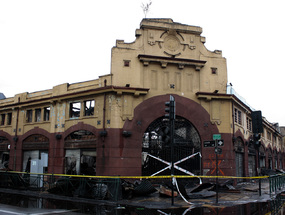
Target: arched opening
280,160
262,157
35,148
251,160
80,153
156,153
4,152
275,160
239,156
270,164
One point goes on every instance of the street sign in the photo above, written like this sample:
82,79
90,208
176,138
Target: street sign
220,142
217,136
210,143
218,151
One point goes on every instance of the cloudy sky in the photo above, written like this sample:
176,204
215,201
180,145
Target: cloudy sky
44,43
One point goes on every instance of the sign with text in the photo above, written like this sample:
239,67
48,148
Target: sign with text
217,136
210,143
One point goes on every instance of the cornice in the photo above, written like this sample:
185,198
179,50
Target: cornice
108,89
164,61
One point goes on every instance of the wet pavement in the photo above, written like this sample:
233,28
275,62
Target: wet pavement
244,194
13,210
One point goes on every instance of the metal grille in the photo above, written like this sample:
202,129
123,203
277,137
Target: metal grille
186,142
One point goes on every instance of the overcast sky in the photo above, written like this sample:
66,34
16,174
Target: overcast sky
46,43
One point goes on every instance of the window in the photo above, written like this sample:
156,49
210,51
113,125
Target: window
127,63
238,116
9,118
268,135
2,119
274,139
214,70
29,116
74,109
38,113
248,123
89,107
46,113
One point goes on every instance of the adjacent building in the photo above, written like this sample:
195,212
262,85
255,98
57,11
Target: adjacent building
115,125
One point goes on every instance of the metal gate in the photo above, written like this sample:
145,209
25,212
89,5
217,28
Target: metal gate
239,154
186,142
251,160
239,165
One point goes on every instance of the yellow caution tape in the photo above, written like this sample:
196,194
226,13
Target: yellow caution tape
146,177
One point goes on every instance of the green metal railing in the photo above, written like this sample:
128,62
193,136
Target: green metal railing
276,183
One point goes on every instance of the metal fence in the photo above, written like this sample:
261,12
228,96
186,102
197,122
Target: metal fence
104,187
276,183
81,186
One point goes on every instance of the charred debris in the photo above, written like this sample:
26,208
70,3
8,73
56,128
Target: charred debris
117,189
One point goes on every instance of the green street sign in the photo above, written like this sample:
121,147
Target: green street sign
217,136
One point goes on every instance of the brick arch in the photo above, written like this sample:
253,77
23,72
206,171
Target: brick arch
8,136
80,126
36,131
153,108
39,143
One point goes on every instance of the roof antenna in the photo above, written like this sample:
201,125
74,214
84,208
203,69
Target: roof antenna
146,7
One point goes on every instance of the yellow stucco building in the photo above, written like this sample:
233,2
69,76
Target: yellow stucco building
115,125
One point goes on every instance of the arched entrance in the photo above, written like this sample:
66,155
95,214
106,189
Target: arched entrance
275,160
262,157
251,160
35,148
80,153
239,154
4,152
186,142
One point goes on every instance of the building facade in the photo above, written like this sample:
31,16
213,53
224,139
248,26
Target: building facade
115,125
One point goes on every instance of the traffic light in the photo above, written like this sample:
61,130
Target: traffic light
256,139
170,109
257,122
165,135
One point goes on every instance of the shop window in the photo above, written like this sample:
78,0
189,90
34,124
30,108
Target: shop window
29,116
89,107
38,113
46,113
74,109
2,119
9,118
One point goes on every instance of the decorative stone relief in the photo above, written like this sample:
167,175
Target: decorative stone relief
151,40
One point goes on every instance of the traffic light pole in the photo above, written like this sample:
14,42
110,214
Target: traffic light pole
217,172
172,158
170,114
